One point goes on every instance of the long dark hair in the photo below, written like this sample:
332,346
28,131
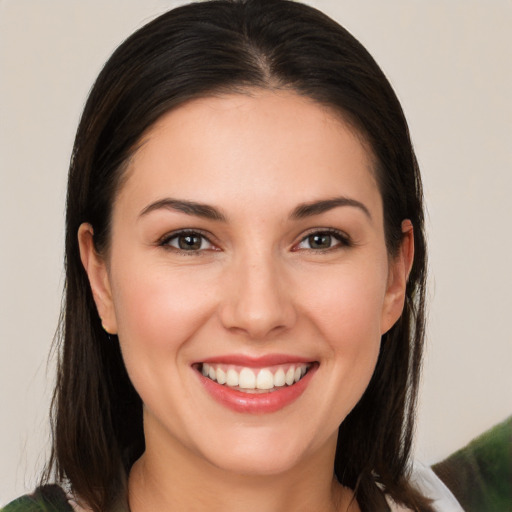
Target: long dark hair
195,51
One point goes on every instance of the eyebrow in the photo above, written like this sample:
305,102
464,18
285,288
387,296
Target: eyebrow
317,207
188,207
206,211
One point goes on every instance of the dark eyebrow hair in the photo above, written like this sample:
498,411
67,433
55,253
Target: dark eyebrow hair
317,207
188,207
209,212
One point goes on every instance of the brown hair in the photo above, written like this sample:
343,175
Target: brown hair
191,52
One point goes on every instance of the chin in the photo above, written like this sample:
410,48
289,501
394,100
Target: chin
263,453
249,463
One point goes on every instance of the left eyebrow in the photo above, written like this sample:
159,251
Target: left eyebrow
317,207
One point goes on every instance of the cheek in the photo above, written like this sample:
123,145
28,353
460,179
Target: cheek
157,310
346,310
347,303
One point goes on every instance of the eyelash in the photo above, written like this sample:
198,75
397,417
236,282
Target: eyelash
342,238
165,241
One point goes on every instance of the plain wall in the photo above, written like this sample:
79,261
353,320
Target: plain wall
450,64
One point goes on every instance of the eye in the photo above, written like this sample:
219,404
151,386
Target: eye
323,240
187,241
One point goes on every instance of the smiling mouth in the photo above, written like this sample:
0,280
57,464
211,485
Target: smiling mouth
255,380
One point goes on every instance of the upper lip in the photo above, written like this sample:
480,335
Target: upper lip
255,362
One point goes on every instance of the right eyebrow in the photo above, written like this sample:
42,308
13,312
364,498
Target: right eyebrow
189,207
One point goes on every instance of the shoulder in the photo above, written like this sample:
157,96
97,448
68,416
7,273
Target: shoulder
432,487
424,480
49,498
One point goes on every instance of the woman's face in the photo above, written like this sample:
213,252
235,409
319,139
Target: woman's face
248,279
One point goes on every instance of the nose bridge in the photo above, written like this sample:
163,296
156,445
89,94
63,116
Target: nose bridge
256,299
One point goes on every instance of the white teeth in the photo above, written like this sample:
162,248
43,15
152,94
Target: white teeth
250,379
221,376
279,378
265,379
232,378
247,379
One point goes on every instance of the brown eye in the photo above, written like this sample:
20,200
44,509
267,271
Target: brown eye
188,241
323,241
320,241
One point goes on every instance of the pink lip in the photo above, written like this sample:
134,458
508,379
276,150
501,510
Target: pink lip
256,362
256,403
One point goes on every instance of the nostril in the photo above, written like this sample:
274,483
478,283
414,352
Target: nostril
256,321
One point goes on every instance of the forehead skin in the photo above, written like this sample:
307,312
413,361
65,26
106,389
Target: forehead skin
194,130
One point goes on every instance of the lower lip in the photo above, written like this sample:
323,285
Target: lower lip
257,403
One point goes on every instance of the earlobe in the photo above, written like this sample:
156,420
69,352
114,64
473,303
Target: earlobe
96,270
398,274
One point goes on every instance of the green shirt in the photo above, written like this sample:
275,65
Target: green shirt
49,498
480,474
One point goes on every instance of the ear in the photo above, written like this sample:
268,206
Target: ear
399,268
99,280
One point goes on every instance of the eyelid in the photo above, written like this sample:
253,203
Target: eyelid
164,240
342,237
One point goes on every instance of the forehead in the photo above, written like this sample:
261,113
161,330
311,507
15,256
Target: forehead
263,143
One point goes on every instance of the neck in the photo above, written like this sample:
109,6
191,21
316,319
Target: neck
175,478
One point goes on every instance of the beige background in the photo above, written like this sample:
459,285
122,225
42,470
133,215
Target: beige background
450,63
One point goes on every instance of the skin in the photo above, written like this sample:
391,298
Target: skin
255,287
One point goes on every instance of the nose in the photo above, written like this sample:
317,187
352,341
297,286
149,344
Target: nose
257,298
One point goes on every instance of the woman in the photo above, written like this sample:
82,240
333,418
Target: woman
245,262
